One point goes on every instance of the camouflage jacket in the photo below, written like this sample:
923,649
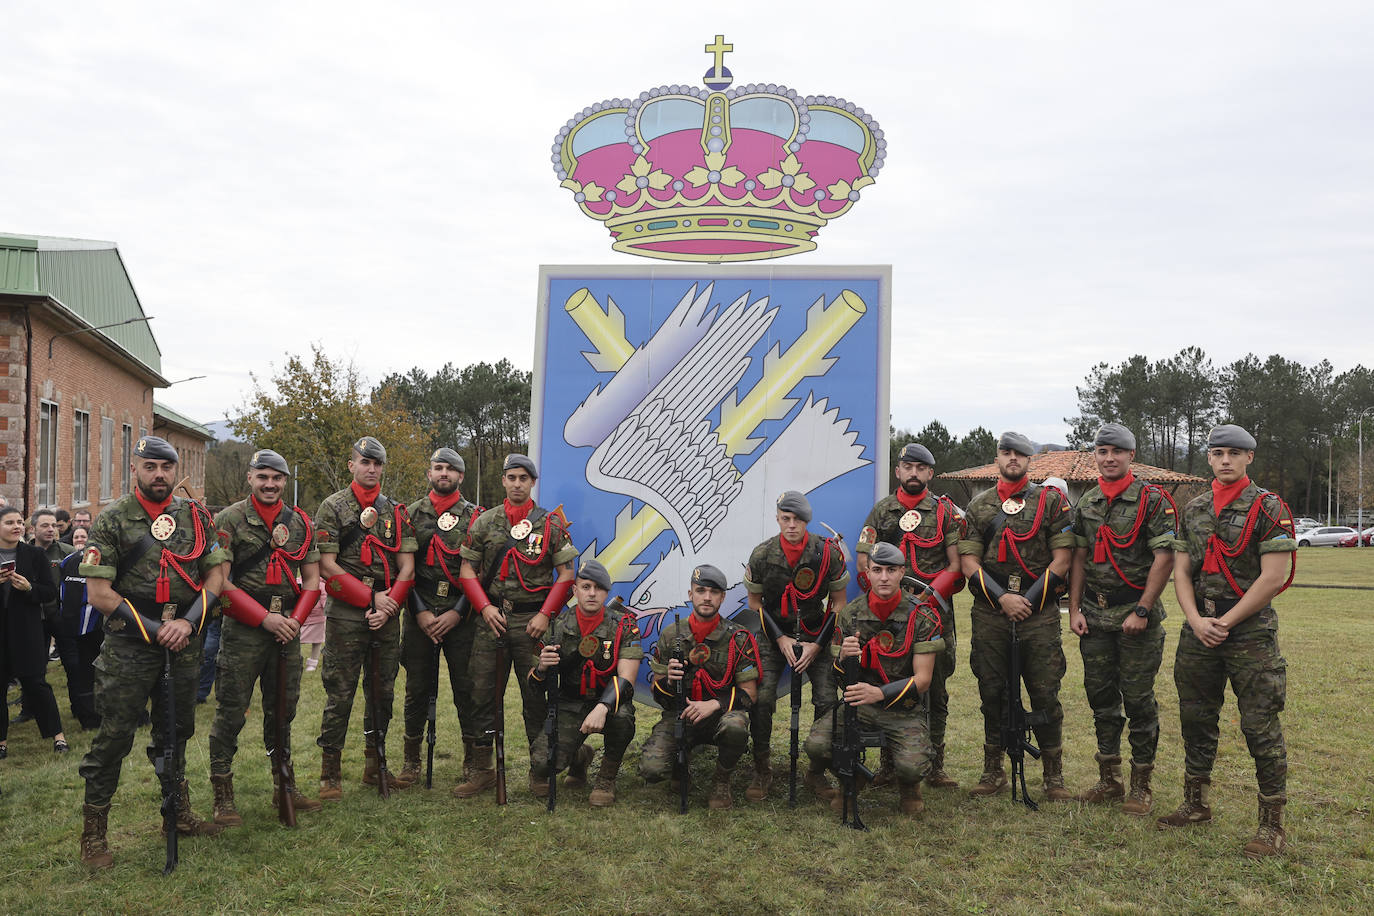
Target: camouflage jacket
1121,538
583,677
117,532
730,658
1272,533
243,533
784,588
339,531
437,558
531,563
911,631
939,524
1033,540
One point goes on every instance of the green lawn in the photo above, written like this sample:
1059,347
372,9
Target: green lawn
425,851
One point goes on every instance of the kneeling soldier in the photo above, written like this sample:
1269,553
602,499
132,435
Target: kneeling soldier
720,673
596,651
896,641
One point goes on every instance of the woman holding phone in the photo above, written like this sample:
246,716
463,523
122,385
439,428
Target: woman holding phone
25,586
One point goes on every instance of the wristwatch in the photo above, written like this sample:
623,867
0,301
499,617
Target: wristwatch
1142,611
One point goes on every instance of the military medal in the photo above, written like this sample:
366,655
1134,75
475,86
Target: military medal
280,535
804,579
885,641
535,541
909,520
605,650
442,590
699,655
1012,505
368,517
447,521
163,526
587,647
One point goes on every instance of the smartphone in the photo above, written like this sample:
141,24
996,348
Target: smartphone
7,566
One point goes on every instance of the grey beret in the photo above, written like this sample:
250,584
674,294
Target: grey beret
885,554
266,458
1115,434
449,457
795,501
369,447
595,572
1230,436
1016,442
156,448
710,577
915,451
520,461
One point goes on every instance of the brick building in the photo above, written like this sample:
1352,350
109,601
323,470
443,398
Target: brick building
190,439
78,366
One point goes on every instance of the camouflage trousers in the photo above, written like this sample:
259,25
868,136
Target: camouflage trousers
617,732
346,658
522,654
821,675
1119,675
907,732
728,731
1250,660
248,655
938,693
128,673
417,657
1042,670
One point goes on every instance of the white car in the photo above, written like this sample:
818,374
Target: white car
1325,536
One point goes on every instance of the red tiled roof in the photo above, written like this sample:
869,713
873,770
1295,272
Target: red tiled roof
1072,465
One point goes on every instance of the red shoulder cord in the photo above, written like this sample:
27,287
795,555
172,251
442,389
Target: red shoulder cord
522,557
1011,538
594,678
1107,541
911,541
871,654
365,555
439,553
164,586
278,565
1218,551
702,681
793,596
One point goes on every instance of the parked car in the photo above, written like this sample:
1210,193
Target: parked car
1305,522
1349,539
1325,536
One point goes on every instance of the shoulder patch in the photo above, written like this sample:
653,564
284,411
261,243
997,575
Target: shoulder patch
91,557
868,535
321,534
224,539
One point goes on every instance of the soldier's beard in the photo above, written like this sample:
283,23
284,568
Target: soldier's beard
914,487
444,488
1013,476
156,492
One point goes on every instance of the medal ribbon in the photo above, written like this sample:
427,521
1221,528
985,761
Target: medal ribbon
703,683
793,596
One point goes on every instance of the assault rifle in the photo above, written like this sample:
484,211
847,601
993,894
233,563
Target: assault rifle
1016,724
794,736
166,763
500,731
551,732
847,751
286,805
374,676
683,764
432,716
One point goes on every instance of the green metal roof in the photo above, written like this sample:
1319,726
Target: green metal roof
180,419
89,278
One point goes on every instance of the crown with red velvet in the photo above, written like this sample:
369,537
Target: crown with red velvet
718,174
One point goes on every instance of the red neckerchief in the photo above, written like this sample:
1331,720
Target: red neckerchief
883,607
442,504
1005,489
1224,494
908,500
702,628
153,509
1114,488
364,496
517,514
586,625
268,514
793,552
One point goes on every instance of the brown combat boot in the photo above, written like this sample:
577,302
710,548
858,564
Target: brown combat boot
410,763
481,777
370,771
1141,799
577,768
539,785
1270,838
188,824
298,801
937,778
911,802
1052,759
994,778
763,778
1108,786
886,769
837,800
603,790
224,811
720,797
815,780
94,851
1197,791
331,774
468,742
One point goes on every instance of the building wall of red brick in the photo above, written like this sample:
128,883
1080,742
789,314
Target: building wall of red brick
191,450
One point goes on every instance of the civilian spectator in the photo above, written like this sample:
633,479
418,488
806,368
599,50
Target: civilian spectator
25,586
81,518
64,525
312,634
79,639
79,537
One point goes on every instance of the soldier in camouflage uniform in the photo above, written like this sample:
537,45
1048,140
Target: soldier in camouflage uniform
1114,607
270,545
720,671
525,561
597,653
795,582
1235,549
1016,552
367,558
926,528
437,621
153,567
897,642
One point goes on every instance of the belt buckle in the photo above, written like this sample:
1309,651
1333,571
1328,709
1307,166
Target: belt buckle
1014,584
1211,607
169,612
507,605
369,580
1101,600
276,607
442,590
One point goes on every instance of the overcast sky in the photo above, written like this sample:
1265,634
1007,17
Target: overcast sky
1066,183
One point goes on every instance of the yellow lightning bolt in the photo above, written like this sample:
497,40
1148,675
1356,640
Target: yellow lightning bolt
605,328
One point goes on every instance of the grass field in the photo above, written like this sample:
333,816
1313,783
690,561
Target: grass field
427,852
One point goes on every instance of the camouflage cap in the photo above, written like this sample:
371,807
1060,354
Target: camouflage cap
885,554
449,457
595,572
915,451
795,501
156,448
1115,434
1016,442
1230,436
520,461
710,577
368,447
266,458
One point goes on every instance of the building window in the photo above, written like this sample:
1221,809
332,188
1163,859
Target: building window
126,452
106,457
81,457
47,454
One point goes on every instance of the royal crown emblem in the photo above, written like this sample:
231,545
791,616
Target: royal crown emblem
718,174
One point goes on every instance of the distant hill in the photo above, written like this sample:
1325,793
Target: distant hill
221,430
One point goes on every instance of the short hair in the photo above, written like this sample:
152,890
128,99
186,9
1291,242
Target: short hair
33,519
62,515
10,510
